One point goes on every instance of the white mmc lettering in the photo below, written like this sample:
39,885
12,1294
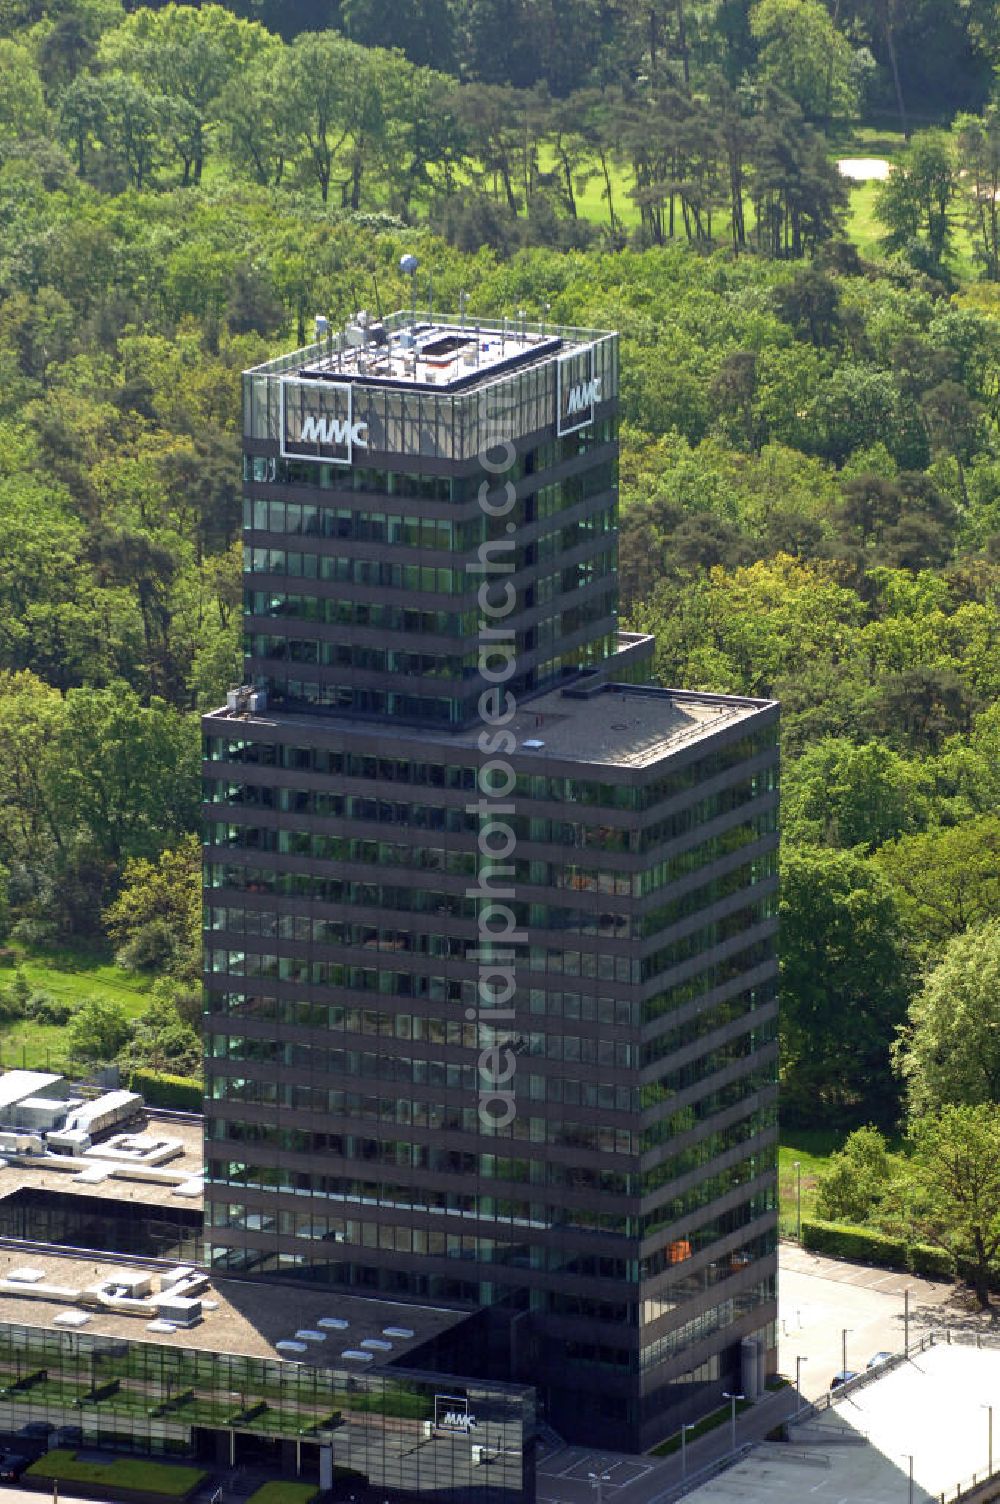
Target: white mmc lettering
333,431
585,394
455,1420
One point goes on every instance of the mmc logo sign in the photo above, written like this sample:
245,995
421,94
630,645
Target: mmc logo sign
317,422
578,390
451,1413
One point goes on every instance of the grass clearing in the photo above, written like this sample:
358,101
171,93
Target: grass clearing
69,974
812,1148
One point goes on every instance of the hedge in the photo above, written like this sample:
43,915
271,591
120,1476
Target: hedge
158,1090
169,1480
868,1246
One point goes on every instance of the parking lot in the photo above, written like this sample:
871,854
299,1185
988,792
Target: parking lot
820,1297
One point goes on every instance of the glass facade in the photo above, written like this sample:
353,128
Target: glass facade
621,1228
385,1427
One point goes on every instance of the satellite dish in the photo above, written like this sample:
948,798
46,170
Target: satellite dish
408,264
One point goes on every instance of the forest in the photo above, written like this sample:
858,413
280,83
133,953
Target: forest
810,486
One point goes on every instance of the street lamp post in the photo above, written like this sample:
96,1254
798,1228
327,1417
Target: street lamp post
684,1461
597,1482
989,1410
906,1322
733,1398
799,1360
845,1333
909,1458
798,1199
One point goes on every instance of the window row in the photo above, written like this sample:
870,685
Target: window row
741,1005
587,792
303,1013
382,574
360,657
707,978
715,1319
389,1236
294,519
685,1283
464,1034
271,470
708,1189
743,1047
706,938
758,1077
441,1116
309,695
353,613
665,1261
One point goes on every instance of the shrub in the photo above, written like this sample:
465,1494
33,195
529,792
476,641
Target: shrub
856,1179
841,1241
46,1009
868,1245
152,947
98,1029
159,1090
931,1262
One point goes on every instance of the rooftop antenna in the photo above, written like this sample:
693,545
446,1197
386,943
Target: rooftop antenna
545,320
503,336
408,266
430,298
524,322
461,309
378,300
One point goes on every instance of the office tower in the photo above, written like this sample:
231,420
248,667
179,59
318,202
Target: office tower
490,919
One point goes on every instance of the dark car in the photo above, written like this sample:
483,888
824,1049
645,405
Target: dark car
843,1377
877,1358
12,1465
39,1429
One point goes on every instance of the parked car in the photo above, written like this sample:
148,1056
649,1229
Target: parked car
843,1377
877,1358
12,1465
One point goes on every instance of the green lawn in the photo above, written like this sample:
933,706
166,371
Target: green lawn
719,1417
69,975
169,1480
283,1493
812,1148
